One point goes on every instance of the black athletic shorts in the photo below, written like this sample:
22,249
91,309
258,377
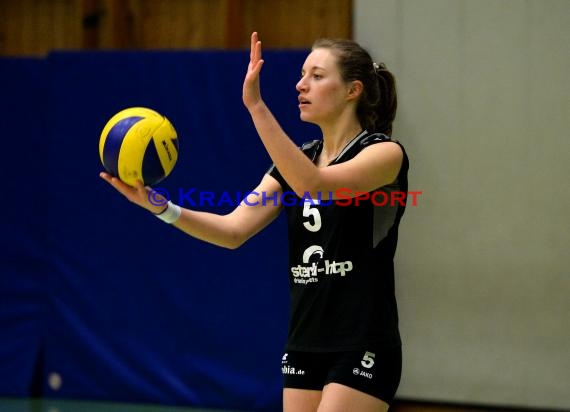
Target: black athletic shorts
376,372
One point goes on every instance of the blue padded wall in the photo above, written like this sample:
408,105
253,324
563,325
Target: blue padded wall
24,263
120,305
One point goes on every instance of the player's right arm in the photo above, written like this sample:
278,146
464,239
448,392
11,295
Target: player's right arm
253,214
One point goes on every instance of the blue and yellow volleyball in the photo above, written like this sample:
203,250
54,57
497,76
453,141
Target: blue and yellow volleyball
139,144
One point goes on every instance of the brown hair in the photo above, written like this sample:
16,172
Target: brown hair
377,106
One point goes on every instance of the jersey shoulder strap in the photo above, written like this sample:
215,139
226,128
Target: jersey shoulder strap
310,149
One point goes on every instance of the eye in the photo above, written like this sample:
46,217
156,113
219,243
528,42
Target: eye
317,76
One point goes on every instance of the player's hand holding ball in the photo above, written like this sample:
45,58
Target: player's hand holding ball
138,148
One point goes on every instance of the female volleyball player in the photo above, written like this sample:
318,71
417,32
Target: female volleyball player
343,350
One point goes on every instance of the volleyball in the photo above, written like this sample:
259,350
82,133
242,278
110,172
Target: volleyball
139,144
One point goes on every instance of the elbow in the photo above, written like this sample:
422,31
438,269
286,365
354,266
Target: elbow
234,241
232,245
308,188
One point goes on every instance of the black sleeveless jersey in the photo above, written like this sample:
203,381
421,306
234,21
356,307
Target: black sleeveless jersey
341,261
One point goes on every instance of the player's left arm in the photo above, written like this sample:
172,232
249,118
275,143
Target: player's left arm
374,167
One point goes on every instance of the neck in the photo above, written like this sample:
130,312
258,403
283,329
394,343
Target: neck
336,138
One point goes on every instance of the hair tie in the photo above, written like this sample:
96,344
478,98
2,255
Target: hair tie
376,66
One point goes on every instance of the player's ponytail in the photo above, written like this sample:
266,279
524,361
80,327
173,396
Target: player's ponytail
388,101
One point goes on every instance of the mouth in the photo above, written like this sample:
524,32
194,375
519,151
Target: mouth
303,102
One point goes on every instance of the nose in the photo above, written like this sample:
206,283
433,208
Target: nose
301,85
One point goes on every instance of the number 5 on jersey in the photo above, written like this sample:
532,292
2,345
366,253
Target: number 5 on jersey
313,223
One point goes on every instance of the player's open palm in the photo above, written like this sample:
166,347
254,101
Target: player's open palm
251,90
139,194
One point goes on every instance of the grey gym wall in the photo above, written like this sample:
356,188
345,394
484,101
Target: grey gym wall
483,265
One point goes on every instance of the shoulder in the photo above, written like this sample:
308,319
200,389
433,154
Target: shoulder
310,145
391,151
370,143
375,138
393,145
311,148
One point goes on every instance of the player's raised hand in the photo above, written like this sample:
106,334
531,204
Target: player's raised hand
251,90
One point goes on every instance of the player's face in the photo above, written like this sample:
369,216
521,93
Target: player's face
322,91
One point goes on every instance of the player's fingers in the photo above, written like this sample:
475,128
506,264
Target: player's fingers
105,176
139,186
252,45
257,68
258,50
121,186
112,180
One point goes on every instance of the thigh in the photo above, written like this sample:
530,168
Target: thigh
341,398
304,376
301,400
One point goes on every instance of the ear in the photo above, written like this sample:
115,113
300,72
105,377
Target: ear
355,89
